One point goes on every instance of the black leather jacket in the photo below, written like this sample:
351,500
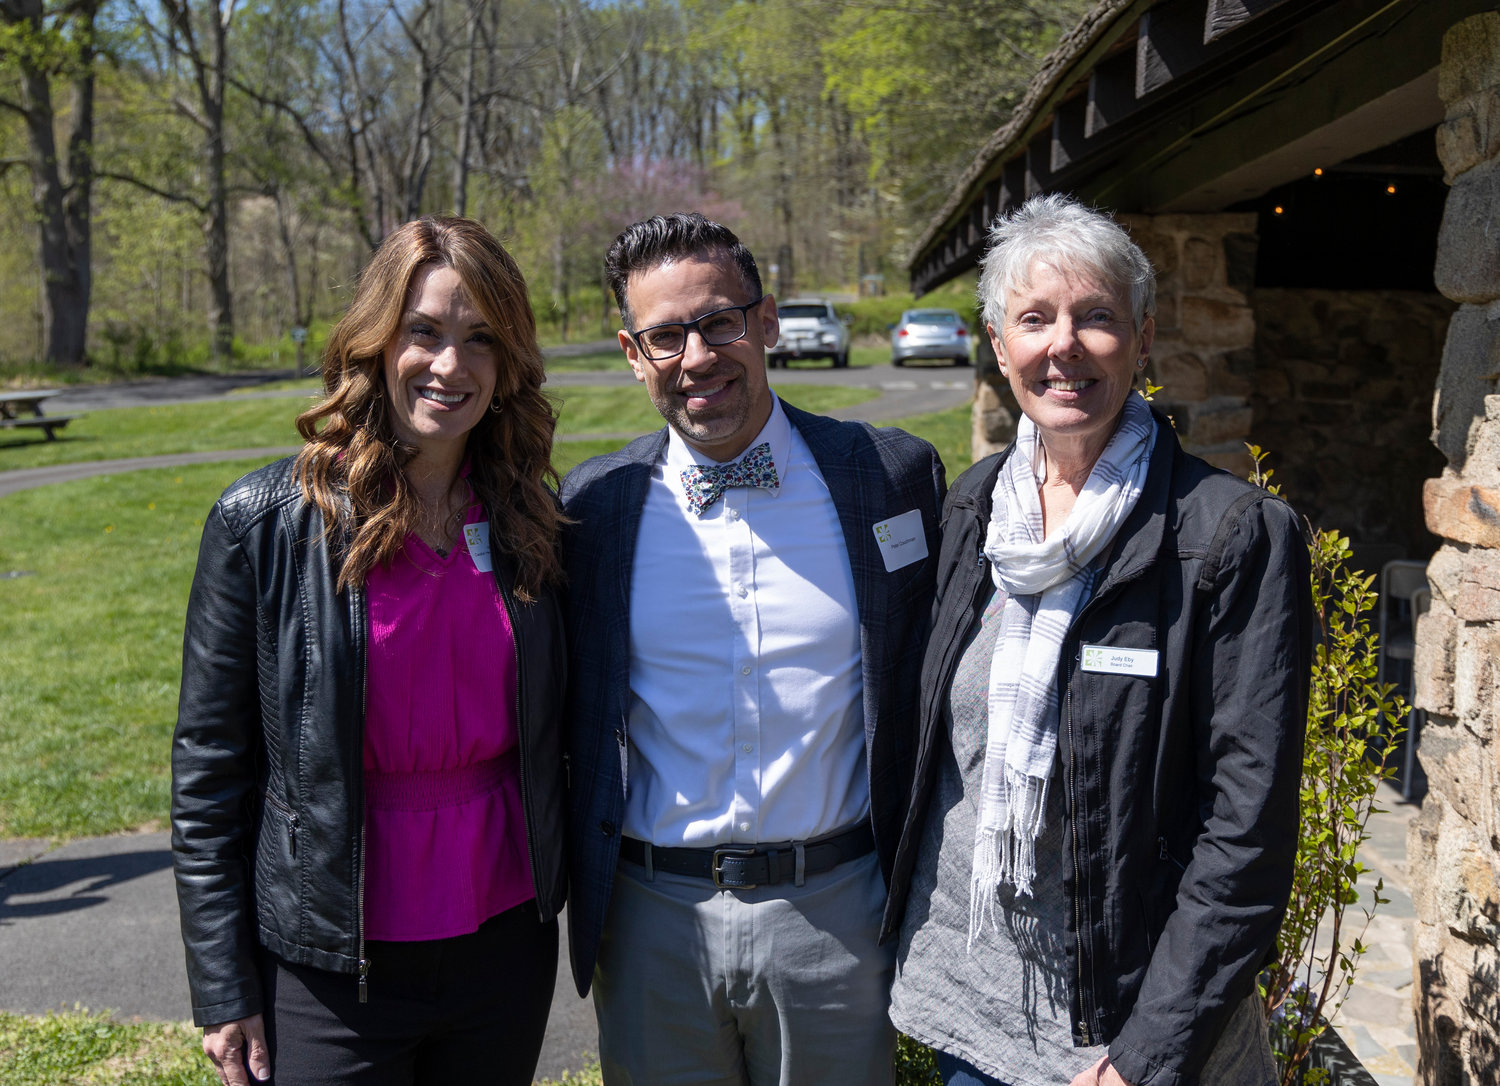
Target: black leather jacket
267,778
1181,789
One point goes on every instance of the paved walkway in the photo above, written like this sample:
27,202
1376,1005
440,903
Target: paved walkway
914,392
1377,1021
94,922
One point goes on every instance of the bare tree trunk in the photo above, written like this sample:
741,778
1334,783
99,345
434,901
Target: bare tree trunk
221,305
782,199
357,124
419,153
61,203
465,120
208,62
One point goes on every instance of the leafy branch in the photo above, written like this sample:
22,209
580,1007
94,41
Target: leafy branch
1352,723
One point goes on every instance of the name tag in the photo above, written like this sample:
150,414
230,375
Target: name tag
1109,660
477,540
901,540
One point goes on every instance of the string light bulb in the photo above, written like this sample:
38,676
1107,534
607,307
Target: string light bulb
1317,171
1278,209
1390,190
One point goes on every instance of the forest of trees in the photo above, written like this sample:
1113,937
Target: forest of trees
176,174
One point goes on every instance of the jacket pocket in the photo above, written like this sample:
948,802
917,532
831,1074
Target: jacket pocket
286,818
276,849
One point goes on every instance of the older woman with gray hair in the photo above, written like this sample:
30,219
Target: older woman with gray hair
1101,836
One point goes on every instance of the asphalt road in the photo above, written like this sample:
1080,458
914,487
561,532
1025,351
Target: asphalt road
914,390
94,922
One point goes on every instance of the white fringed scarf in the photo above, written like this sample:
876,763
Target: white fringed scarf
1046,582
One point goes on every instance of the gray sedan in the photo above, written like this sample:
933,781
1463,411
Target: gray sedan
930,333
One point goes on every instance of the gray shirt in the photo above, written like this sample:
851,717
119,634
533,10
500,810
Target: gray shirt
1003,1004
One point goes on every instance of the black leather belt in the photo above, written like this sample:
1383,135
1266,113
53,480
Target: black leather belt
736,867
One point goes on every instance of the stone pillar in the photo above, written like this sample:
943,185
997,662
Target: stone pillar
1204,354
1454,844
1205,335
995,410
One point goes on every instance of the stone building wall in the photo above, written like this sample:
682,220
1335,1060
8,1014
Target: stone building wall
1204,354
1341,405
1454,844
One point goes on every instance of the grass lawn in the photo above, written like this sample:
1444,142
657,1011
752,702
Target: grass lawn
92,645
253,423
611,360
82,1048
92,629
78,1048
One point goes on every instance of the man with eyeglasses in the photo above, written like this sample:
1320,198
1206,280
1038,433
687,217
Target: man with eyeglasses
749,591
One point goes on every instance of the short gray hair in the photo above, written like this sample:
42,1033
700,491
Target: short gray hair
1059,231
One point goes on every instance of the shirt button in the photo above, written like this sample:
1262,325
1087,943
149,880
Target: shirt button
744,827
745,670
747,748
741,591
732,514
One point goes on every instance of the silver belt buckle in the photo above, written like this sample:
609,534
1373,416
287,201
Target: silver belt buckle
720,855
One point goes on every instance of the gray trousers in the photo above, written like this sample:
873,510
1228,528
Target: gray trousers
777,985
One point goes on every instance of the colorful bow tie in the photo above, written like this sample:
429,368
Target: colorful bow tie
705,484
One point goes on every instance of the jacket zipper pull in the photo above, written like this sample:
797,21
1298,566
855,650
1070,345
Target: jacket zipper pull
1166,855
364,980
291,833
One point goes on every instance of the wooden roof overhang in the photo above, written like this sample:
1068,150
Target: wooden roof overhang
1195,105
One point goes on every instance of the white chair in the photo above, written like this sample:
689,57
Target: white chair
1404,595
1400,581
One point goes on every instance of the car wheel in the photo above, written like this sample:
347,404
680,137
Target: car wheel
841,360
896,361
961,360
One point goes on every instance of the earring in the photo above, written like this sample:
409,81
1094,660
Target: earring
496,404
1140,363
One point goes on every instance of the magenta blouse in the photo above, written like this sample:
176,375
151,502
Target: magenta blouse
445,836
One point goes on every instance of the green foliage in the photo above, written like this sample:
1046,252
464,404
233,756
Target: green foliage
80,1048
915,1065
951,433
874,316
1352,722
590,1075
929,82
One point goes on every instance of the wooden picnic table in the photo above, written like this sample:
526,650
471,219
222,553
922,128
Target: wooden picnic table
13,402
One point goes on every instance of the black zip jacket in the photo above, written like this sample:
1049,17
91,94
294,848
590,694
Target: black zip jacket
267,759
1181,788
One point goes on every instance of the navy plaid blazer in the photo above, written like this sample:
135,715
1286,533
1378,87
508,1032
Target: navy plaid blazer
873,474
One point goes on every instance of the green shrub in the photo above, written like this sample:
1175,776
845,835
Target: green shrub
1352,722
915,1065
874,316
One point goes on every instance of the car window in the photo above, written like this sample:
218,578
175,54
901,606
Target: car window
934,316
813,311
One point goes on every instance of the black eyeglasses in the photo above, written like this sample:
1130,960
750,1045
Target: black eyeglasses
719,328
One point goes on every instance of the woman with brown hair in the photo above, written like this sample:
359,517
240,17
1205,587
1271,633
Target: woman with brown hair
367,794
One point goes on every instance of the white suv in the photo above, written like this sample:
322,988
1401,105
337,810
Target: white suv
810,329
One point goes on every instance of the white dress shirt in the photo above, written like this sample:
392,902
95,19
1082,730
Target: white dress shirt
746,718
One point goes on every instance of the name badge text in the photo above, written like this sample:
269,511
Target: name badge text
1110,660
901,540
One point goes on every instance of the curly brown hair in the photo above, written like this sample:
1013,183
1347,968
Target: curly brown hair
351,465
